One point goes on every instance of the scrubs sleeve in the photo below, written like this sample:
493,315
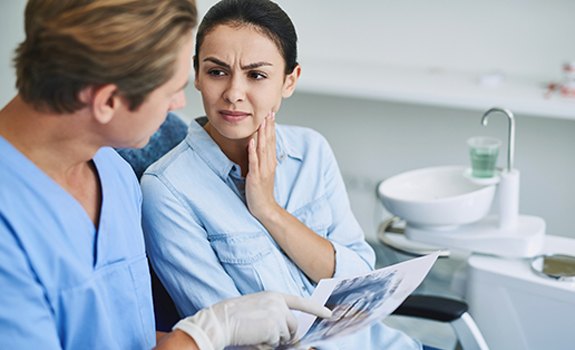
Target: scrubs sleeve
26,320
179,249
353,255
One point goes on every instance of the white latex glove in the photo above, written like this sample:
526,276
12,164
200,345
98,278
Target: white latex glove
260,318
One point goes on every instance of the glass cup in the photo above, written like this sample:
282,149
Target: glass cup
483,151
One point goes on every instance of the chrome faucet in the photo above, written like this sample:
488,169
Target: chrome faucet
510,135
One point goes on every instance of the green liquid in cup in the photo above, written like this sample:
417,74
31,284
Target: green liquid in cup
483,162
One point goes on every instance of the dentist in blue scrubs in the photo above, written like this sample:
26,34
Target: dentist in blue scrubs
91,75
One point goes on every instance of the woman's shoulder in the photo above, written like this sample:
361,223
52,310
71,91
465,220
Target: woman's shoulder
295,135
167,160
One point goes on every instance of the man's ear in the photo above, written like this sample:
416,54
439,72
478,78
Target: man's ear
290,82
104,101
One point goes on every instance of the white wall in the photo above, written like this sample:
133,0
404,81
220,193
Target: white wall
523,37
376,139
11,33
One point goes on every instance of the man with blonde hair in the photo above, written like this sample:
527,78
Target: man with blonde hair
92,75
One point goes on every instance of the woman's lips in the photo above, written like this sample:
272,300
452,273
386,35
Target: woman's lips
233,116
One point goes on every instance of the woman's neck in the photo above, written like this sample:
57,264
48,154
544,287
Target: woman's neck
235,150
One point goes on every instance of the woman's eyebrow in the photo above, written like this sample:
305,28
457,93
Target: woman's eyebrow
216,61
256,65
246,67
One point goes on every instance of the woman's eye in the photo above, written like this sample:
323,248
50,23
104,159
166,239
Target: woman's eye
257,75
216,72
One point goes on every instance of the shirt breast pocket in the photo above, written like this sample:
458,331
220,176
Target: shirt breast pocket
112,308
316,215
248,258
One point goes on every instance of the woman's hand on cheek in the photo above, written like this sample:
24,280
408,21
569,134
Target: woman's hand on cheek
262,167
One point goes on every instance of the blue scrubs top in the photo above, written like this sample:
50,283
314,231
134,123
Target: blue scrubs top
64,284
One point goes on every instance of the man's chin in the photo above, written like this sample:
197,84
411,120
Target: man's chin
142,144
139,144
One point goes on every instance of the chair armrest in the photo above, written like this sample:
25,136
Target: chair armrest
432,308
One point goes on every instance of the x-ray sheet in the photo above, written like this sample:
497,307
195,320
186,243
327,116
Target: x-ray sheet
359,301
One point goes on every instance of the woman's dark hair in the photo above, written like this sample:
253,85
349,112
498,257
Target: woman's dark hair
264,15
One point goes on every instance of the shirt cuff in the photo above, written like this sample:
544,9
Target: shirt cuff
348,262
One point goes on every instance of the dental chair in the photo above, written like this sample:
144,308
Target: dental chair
434,308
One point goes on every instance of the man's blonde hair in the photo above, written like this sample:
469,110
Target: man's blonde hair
74,44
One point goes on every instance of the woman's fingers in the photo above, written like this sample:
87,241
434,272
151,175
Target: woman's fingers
262,142
253,161
266,144
262,148
271,136
262,165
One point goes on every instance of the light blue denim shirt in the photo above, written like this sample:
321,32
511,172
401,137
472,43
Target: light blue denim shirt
206,246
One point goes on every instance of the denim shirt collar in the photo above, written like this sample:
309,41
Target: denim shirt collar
202,143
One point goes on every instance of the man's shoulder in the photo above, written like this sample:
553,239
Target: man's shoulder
111,161
12,174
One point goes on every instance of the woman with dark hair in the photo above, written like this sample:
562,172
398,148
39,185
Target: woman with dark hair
244,204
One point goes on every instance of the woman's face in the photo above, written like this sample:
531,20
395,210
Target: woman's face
241,76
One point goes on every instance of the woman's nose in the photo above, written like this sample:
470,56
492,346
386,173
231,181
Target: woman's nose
235,90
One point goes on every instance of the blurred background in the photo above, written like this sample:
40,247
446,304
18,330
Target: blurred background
399,85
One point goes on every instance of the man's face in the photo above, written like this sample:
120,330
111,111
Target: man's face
134,128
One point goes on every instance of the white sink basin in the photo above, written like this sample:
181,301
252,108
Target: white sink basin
437,196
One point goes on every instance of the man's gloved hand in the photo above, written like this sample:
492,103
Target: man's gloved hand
260,318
